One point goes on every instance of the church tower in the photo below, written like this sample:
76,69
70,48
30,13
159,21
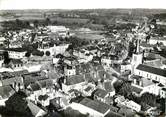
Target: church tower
137,57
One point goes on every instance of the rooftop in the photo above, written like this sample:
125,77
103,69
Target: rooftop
153,70
100,93
146,82
35,87
75,79
108,87
12,80
136,89
95,105
16,61
6,91
16,49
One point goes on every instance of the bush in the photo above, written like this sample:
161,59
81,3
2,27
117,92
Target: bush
28,54
47,53
38,53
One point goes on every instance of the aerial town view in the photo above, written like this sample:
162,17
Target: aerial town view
83,63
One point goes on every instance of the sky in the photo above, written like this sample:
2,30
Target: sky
80,4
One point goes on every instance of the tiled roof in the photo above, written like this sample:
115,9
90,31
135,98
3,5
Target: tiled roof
100,93
104,75
108,87
46,83
95,105
12,80
16,61
153,70
32,77
135,77
6,91
113,114
146,82
5,75
88,77
35,87
34,108
16,49
88,88
75,79
136,89
19,73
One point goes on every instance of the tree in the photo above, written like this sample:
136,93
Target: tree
36,23
149,99
6,57
48,21
17,103
41,53
37,53
47,53
69,112
28,54
131,49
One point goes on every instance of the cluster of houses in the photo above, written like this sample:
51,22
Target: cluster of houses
86,75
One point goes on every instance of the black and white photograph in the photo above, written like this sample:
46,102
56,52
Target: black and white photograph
82,58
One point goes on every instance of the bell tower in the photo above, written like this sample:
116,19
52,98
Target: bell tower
137,57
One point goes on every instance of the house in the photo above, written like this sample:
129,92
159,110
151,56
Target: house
108,60
15,44
100,95
69,70
136,90
16,63
53,75
73,82
41,91
5,93
108,86
157,40
71,60
60,49
128,103
134,106
19,73
83,68
125,66
16,82
113,114
125,111
147,85
151,73
35,91
33,68
87,91
59,102
146,47
16,53
92,107
36,110
83,55
2,39
73,93
46,86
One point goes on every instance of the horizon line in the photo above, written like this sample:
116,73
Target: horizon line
88,9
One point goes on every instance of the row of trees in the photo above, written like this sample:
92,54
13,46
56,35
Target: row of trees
37,53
